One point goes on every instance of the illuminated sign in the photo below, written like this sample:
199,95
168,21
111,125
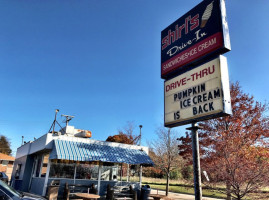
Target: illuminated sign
199,94
201,32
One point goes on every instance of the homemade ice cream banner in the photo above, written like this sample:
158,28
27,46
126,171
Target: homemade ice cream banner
199,94
200,33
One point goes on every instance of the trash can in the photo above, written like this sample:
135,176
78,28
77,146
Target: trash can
145,192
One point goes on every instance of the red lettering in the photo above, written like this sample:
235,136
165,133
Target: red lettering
180,29
167,88
184,80
171,36
187,24
190,24
165,42
213,70
176,84
204,72
194,22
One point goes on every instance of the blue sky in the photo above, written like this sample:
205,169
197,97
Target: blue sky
100,61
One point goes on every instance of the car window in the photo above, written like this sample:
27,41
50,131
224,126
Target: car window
10,189
3,175
4,196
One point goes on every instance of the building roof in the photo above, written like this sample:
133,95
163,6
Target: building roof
79,151
6,157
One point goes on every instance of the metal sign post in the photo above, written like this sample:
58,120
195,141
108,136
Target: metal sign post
196,161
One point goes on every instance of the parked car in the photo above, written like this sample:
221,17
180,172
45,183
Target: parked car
9,193
3,177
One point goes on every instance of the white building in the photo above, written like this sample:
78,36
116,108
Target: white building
70,156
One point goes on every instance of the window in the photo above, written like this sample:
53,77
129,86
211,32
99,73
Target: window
4,162
44,165
4,196
109,173
87,171
4,189
134,173
18,171
38,161
62,170
67,169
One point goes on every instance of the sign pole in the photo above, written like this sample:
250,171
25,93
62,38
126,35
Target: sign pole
196,161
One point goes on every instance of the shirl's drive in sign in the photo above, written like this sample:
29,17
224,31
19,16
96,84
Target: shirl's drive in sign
199,94
200,32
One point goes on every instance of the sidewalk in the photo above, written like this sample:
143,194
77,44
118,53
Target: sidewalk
178,196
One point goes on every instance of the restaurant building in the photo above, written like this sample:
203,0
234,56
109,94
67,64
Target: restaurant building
70,156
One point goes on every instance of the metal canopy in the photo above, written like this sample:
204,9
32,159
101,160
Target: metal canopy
79,151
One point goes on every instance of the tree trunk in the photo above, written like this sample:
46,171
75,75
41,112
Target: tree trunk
167,184
228,191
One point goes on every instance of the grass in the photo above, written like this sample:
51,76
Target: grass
181,186
187,189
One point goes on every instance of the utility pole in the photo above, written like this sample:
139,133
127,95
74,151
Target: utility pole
196,161
55,121
140,136
56,111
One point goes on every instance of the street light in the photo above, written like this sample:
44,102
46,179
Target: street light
140,126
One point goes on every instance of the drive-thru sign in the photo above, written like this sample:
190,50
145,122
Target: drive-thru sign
199,94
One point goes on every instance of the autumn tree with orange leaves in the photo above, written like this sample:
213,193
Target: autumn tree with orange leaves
234,149
125,135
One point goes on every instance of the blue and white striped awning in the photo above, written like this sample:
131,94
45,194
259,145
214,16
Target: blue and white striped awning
80,151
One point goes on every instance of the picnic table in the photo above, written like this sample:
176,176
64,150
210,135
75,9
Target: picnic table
87,196
157,196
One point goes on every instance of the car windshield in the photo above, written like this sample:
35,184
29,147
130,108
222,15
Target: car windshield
10,189
3,175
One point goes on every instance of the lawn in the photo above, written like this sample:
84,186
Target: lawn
179,188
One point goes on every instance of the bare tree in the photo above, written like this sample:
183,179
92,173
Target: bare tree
128,130
166,152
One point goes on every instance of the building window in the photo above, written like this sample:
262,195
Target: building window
18,171
134,173
38,162
4,162
109,173
87,171
62,170
44,165
67,169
